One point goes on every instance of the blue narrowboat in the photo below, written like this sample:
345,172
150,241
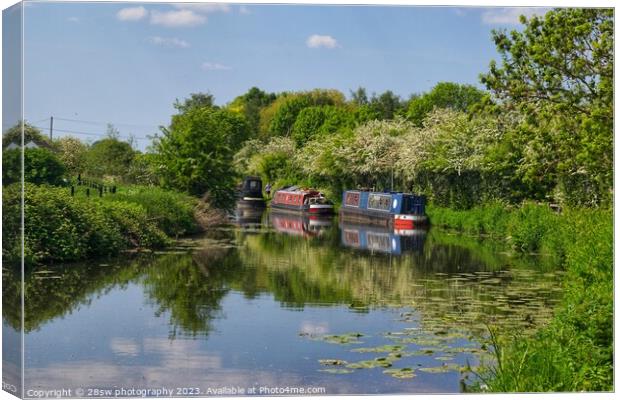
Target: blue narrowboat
391,209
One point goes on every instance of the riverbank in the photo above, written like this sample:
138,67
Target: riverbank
575,351
60,227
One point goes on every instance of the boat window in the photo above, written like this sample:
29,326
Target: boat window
352,199
379,202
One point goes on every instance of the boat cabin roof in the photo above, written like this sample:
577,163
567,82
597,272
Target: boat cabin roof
295,190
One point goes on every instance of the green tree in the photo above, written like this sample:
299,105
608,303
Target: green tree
359,96
281,115
196,152
31,135
443,95
319,121
40,166
272,160
387,105
109,157
250,104
558,73
72,152
195,100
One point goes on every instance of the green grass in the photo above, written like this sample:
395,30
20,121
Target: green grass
61,227
575,351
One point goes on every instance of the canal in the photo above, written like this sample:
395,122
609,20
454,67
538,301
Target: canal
280,301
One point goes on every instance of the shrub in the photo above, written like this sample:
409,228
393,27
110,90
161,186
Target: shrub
40,166
172,212
59,227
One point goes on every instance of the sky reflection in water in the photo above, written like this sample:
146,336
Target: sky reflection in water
260,305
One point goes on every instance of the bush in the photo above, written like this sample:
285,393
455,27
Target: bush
40,166
59,227
169,211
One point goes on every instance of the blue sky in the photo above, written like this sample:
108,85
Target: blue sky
127,63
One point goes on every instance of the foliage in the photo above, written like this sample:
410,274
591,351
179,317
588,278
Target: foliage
109,157
195,100
40,166
144,170
386,106
319,121
575,352
196,152
272,160
250,104
72,153
278,118
171,212
30,133
61,227
558,74
443,95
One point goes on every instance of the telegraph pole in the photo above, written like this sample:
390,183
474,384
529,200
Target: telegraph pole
51,128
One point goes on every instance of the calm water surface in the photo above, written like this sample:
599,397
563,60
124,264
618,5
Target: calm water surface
283,303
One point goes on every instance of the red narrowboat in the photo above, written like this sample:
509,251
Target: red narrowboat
302,200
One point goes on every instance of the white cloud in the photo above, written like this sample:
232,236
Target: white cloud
169,42
73,19
132,13
316,41
211,66
509,16
204,8
178,18
244,10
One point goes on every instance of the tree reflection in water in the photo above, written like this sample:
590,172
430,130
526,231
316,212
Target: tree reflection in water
447,279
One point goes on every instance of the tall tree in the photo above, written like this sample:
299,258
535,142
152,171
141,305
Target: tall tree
558,74
250,104
195,100
443,95
196,152
359,96
109,157
387,105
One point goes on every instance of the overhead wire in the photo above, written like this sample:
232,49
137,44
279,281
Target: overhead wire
92,133
104,123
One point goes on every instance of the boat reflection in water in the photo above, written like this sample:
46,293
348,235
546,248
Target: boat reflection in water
300,224
247,216
382,239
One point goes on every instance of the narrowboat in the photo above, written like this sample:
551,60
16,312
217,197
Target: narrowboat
390,209
382,239
301,200
251,193
300,224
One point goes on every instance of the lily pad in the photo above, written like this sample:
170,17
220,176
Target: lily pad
346,338
400,373
377,362
336,371
332,362
380,349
